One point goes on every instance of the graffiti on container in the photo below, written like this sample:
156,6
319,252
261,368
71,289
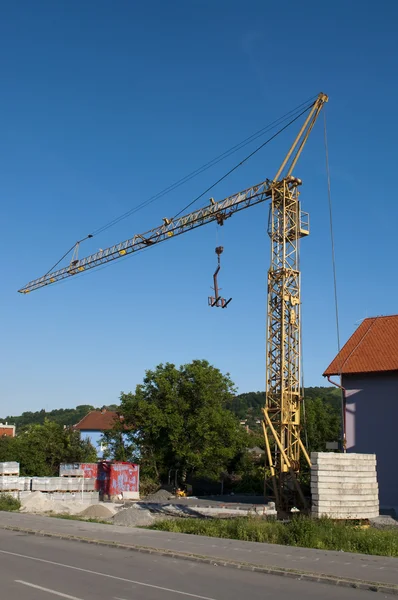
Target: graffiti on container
112,479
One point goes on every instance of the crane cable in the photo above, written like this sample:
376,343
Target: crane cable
243,161
203,168
68,251
336,306
200,170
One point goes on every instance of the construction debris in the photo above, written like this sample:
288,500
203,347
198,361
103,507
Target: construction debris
133,516
159,496
97,511
37,502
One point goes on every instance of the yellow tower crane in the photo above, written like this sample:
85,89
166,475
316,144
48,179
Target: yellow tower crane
287,225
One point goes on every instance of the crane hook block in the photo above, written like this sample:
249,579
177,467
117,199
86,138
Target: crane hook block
217,300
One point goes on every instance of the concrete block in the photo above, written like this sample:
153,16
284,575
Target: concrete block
336,478
344,485
63,484
356,488
338,504
9,468
348,467
336,496
85,497
68,470
131,495
337,493
11,483
319,456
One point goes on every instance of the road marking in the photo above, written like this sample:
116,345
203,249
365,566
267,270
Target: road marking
43,589
149,585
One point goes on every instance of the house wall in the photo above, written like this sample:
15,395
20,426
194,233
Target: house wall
371,426
7,430
95,439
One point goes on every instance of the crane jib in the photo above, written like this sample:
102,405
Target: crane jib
216,211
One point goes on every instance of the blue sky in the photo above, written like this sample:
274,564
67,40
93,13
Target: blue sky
104,104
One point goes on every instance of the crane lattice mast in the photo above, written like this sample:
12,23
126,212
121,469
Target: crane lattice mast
287,224
282,423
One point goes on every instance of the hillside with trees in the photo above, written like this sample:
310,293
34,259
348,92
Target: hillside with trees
61,416
321,418
185,419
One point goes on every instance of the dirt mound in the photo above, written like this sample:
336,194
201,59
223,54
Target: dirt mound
133,517
159,496
97,511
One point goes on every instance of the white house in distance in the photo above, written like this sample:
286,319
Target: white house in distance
368,366
94,424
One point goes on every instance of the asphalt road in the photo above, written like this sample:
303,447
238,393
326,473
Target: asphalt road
39,568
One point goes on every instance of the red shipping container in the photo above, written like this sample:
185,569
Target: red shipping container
119,479
114,479
90,470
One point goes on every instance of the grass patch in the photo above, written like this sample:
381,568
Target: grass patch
323,534
8,503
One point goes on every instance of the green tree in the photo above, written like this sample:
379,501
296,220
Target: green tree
41,448
180,419
118,445
321,424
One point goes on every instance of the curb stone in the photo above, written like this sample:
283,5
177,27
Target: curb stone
219,562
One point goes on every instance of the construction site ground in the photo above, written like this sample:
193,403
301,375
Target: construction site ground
337,568
236,501
210,505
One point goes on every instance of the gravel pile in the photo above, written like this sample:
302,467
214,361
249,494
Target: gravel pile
384,522
133,517
159,496
97,511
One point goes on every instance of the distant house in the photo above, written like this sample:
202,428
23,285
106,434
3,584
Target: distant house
7,430
94,424
368,366
256,452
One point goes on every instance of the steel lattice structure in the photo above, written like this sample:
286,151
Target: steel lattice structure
216,211
287,224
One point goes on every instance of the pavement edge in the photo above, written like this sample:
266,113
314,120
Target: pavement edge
220,562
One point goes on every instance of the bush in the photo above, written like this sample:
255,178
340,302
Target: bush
323,534
8,503
148,486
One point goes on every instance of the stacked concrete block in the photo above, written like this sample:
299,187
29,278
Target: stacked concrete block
71,470
344,486
85,497
9,468
63,484
10,483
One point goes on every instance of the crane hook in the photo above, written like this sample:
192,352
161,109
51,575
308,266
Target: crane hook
217,300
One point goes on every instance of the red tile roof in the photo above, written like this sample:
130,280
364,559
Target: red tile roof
98,420
372,348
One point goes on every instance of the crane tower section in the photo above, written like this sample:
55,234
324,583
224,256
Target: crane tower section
287,224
